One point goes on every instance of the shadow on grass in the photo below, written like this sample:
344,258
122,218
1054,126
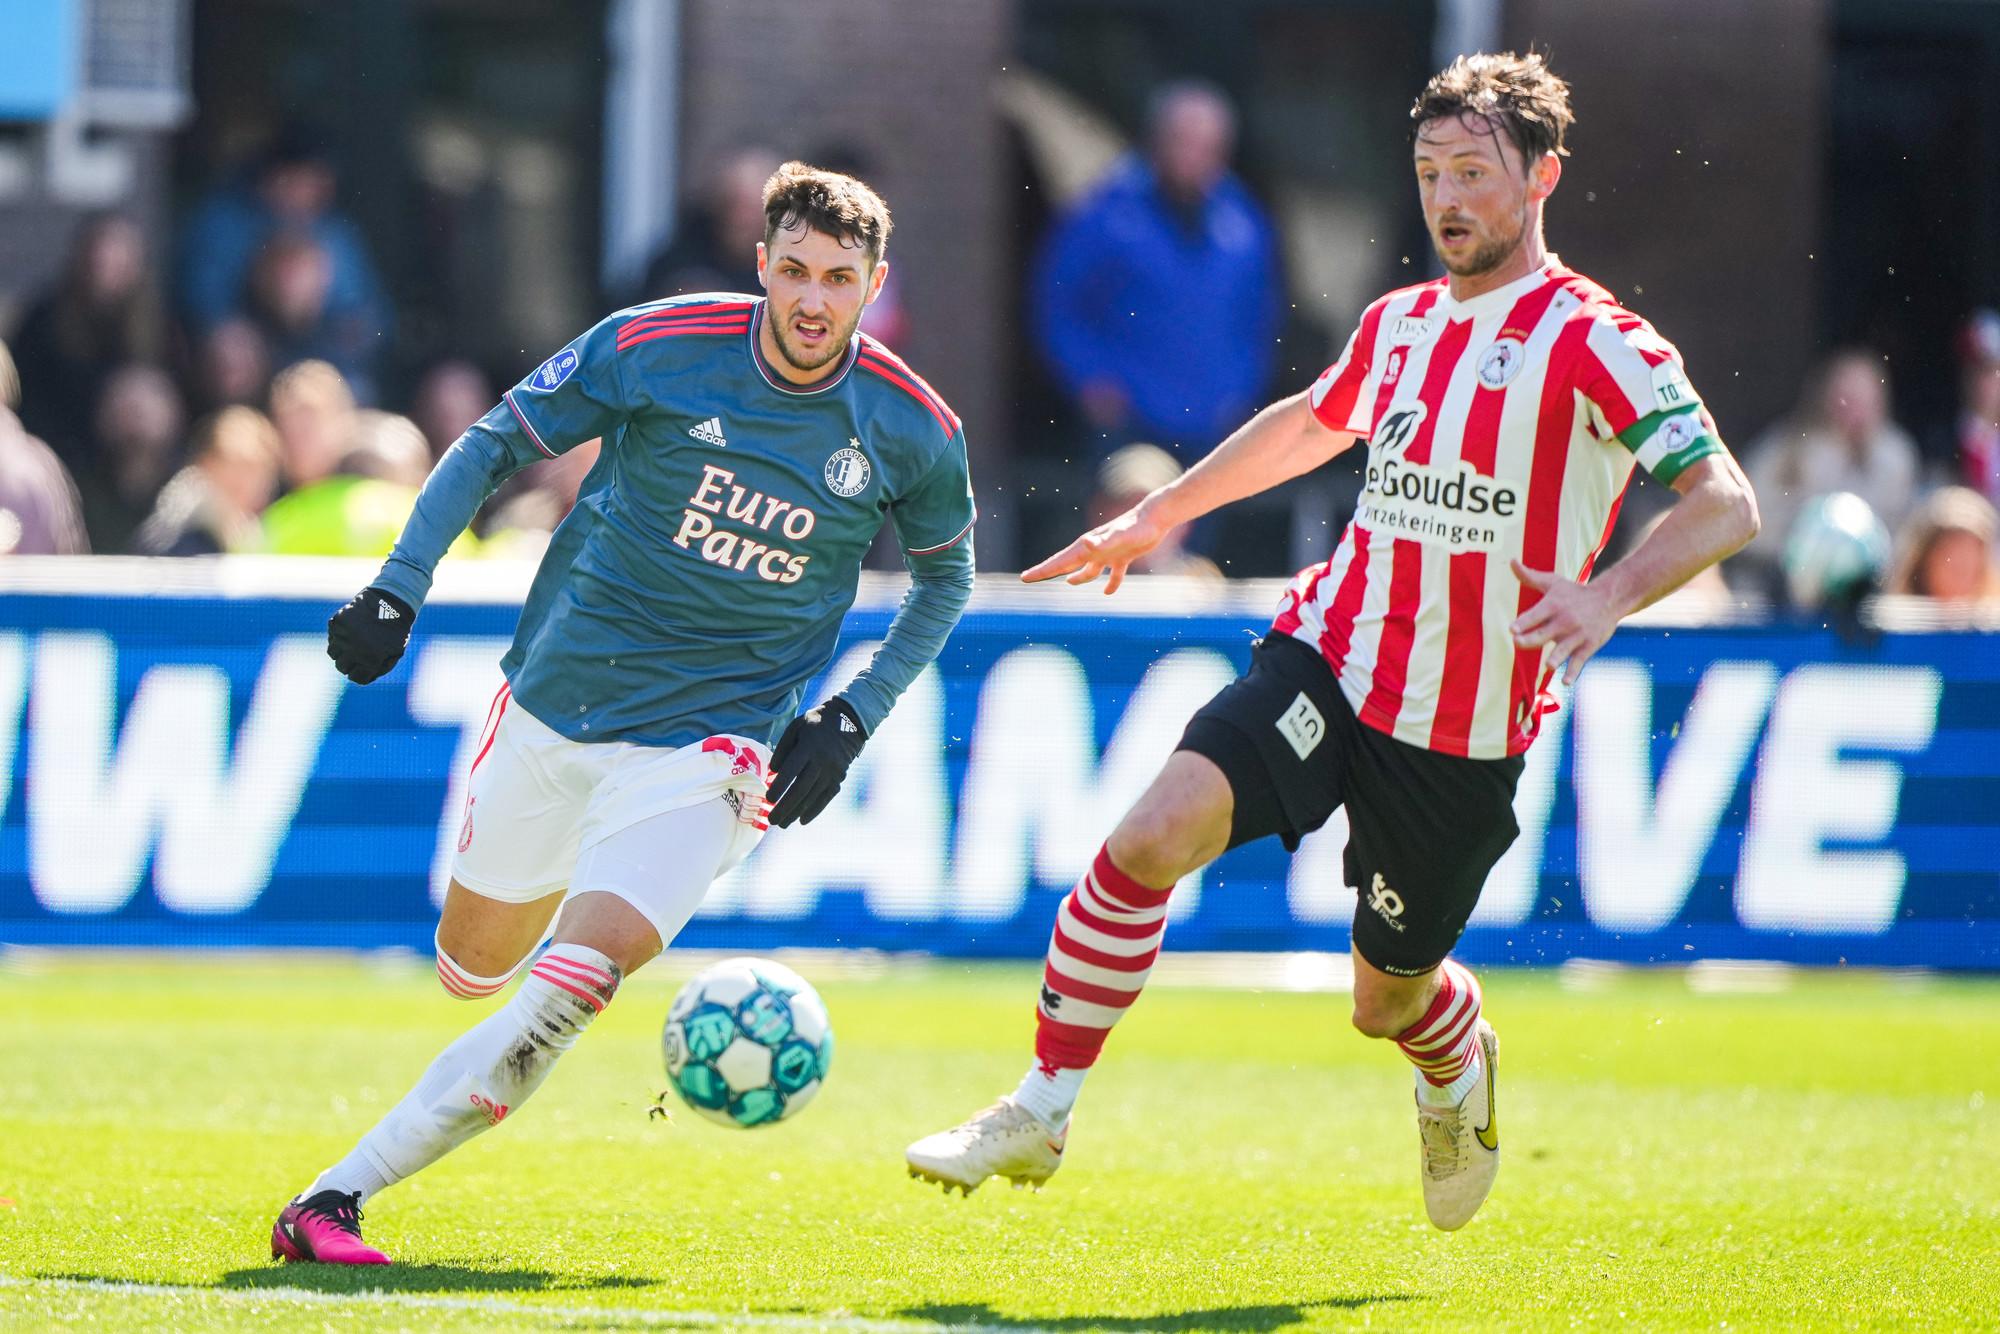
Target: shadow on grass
379,1279
1271,1317
419,1278
376,1278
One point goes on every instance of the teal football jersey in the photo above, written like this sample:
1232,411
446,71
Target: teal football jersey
699,584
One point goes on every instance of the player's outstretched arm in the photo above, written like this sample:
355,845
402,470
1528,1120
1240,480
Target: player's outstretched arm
367,636
574,396
1715,517
1283,441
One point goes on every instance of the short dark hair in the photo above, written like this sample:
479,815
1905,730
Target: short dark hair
842,207
1519,94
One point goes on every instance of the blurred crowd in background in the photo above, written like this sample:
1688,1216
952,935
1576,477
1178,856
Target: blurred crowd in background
244,393
232,398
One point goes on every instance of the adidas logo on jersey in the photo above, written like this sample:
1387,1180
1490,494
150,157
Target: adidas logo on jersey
385,612
709,432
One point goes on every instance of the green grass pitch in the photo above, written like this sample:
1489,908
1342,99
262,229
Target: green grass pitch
1825,1156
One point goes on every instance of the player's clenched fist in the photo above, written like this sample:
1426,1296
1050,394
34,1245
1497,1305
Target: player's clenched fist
811,761
367,637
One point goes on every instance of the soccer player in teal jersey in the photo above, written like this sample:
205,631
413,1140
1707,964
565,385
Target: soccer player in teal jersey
753,448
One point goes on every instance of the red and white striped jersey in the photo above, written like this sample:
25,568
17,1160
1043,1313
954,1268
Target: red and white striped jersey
1506,425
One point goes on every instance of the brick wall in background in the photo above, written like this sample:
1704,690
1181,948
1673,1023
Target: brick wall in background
1694,190
909,85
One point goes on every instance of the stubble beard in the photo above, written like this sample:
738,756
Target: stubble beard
1487,256
801,360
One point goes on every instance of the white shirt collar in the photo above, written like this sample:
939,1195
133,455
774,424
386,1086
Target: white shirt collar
1500,298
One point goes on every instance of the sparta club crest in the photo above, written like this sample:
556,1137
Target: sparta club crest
1500,363
848,470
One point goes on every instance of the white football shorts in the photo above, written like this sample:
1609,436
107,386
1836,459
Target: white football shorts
653,825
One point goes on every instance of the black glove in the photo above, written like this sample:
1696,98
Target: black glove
366,637
811,761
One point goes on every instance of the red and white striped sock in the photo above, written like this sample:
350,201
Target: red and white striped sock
1444,1044
1106,937
462,982
492,1069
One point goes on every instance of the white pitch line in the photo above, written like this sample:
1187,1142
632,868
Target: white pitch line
501,1306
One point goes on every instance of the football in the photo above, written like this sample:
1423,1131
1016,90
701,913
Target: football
747,1042
1837,549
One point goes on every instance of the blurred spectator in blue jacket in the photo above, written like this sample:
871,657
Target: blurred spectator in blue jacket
290,306
291,189
1157,298
103,313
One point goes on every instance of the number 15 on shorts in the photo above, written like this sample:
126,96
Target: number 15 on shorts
1302,725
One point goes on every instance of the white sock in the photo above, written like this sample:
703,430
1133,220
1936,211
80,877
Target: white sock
1050,1094
484,1076
356,1174
1452,1094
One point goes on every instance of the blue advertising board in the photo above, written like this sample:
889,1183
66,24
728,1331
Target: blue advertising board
185,768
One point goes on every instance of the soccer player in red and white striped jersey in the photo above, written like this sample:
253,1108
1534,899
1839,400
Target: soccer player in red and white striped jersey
1505,408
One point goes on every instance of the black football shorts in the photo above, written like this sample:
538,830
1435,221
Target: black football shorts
1425,829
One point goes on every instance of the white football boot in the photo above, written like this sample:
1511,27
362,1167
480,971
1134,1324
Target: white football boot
1461,1145
1004,1140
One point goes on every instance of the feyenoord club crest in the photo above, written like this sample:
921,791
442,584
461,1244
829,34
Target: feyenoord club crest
848,470
1499,364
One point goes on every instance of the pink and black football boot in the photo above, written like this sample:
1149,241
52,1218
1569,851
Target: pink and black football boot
325,1228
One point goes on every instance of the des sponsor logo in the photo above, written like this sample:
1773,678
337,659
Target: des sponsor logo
1411,329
